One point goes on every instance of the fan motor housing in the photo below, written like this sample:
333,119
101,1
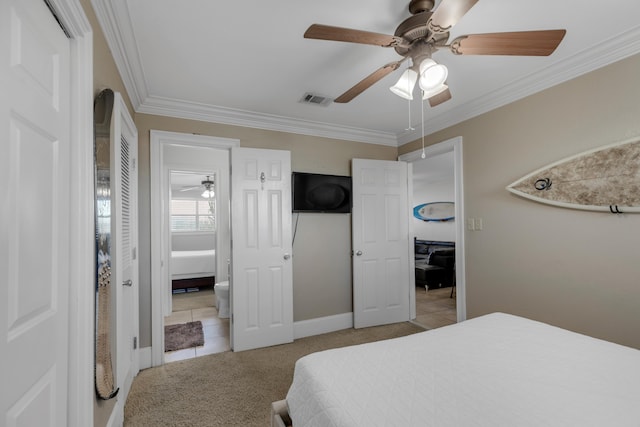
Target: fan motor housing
415,28
417,6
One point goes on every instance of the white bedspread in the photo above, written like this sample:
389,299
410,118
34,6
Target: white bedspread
185,264
495,370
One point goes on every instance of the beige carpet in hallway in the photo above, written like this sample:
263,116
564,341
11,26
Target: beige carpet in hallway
232,389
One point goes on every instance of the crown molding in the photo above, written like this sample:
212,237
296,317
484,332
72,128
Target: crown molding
121,41
115,22
209,113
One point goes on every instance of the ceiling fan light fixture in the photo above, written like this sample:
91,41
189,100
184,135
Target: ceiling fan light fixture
433,92
404,87
208,193
432,75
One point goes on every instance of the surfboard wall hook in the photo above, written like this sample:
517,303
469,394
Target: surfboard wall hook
614,209
543,184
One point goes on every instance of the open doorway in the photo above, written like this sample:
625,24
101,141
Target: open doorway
196,326
440,287
182,157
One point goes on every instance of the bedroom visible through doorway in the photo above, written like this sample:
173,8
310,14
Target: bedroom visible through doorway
193,328
438,244
434,241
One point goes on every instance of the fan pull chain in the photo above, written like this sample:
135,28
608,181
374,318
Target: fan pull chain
423,155
410,128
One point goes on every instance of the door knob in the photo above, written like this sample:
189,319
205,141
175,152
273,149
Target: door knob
358,253
287,256
127,283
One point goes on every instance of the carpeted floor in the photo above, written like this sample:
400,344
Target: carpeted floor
232,389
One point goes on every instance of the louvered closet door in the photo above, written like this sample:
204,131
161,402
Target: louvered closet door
124,243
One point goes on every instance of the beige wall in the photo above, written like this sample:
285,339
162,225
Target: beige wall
575,269
105,75
322,247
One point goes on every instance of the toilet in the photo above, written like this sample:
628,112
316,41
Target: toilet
222,298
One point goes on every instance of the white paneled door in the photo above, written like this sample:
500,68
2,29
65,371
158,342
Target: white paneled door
261,288
34,212
381,243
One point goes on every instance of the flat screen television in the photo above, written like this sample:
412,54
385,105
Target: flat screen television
313,192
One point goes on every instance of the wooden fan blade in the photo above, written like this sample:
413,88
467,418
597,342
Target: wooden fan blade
367,82
326,32
439,98
448,14
525,43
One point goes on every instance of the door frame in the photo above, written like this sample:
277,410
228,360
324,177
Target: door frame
451,145
160,236
80,399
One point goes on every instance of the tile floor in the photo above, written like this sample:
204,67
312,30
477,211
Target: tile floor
435,308
200,305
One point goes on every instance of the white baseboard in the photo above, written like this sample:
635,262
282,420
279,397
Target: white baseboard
301,329
144,358
322,325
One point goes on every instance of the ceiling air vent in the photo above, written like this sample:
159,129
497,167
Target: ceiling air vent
310,98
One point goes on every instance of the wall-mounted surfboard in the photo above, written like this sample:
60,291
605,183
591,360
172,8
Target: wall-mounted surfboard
435,211
605,179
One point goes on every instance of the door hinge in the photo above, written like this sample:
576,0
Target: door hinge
135,343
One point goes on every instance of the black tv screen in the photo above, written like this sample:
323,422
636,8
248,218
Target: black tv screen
321,193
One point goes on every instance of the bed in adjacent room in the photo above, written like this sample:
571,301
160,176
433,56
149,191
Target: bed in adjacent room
494,370
190,269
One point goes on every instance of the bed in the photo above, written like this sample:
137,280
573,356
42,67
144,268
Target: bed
193,268
494,370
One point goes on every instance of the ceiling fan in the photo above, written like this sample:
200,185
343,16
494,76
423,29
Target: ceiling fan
426,32
208,185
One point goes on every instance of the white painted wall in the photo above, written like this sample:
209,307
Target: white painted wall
433,181
193,241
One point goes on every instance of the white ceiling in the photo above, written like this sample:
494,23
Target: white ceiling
246,62
188,184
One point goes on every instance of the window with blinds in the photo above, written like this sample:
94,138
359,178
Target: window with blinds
189,215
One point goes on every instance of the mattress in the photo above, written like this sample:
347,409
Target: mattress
192,264
495,370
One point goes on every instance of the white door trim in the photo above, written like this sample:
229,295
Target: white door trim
82,238
451,145
160,232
